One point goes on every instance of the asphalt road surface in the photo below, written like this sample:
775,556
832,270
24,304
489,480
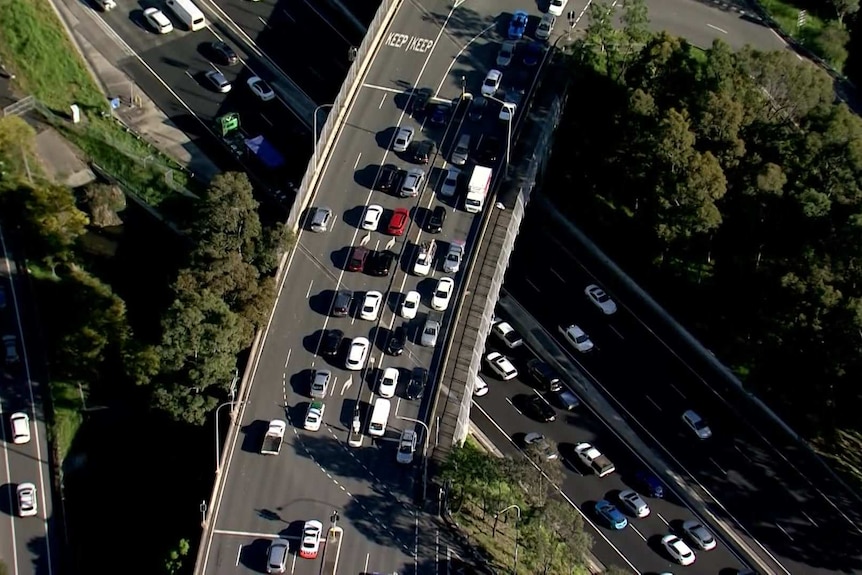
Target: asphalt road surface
317,473
800,524
27,544
501,417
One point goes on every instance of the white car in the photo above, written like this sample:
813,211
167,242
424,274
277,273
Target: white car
507,334
27,506
406,447
403,139
556,7
492,83
260,88
371,306
450,184
20,423
425,258
410,305
678,550
158,20
357,353
314,416
480,388
310,545
506,53
697,424
371,217
699,535
501,365
507,111
634,503
388,382
600,299
545,27
430,333
577,338
442,294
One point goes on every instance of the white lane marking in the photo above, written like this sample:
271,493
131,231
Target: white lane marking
585,517
238,553
814,523
308,293
367,557
616,331
254,534
285,12
635,529
262,21
382,100
332,387
652,401
267,120
458,55
356,163
293,565
723,31
509,401
660,516
783,530
559,277
287,359
532,285
676,389
714,462
328,23
384,88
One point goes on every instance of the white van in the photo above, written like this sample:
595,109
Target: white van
188,13
379,417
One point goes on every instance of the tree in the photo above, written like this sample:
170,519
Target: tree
635,21
17,148
274,243
226,220
183,403
536,474
177,558
831,43
600,36
844,8
464,467
50,220
554,539
102,202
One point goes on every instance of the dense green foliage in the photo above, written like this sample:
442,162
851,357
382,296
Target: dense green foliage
551,534
731,185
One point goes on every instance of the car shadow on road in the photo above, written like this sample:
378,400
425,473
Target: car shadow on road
252,435
253,555
299,382
321,302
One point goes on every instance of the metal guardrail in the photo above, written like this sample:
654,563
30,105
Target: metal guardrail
338,108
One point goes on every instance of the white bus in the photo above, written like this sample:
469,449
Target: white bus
379,417
188,13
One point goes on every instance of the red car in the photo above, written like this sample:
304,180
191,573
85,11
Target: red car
356,263
398,222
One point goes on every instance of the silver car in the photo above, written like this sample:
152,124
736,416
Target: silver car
320,383
504,56
218,81
276,557
412,182
320,220
452,263
430,332
403,139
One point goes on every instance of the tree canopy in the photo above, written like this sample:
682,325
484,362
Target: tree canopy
736,179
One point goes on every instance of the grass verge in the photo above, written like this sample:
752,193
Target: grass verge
844,453
66,402
34,45
787,16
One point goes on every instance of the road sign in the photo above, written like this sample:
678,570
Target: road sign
802,19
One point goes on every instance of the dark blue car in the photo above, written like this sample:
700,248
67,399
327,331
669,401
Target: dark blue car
649,484
533,53
438,117
518,25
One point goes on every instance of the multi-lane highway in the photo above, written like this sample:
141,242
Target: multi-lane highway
318,472
27,544
501,417
779,506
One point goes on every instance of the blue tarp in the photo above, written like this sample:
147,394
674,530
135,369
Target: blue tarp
265,152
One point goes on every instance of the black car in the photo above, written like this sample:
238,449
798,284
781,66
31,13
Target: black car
488,150
223,54
380,263
389,178
418,380
538,409
397,341
341,303
477,108
435,221
545,376
420,100
330,344
422,151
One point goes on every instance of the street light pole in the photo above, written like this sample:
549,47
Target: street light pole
508,128
424,451
314,127
517,531
217,446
